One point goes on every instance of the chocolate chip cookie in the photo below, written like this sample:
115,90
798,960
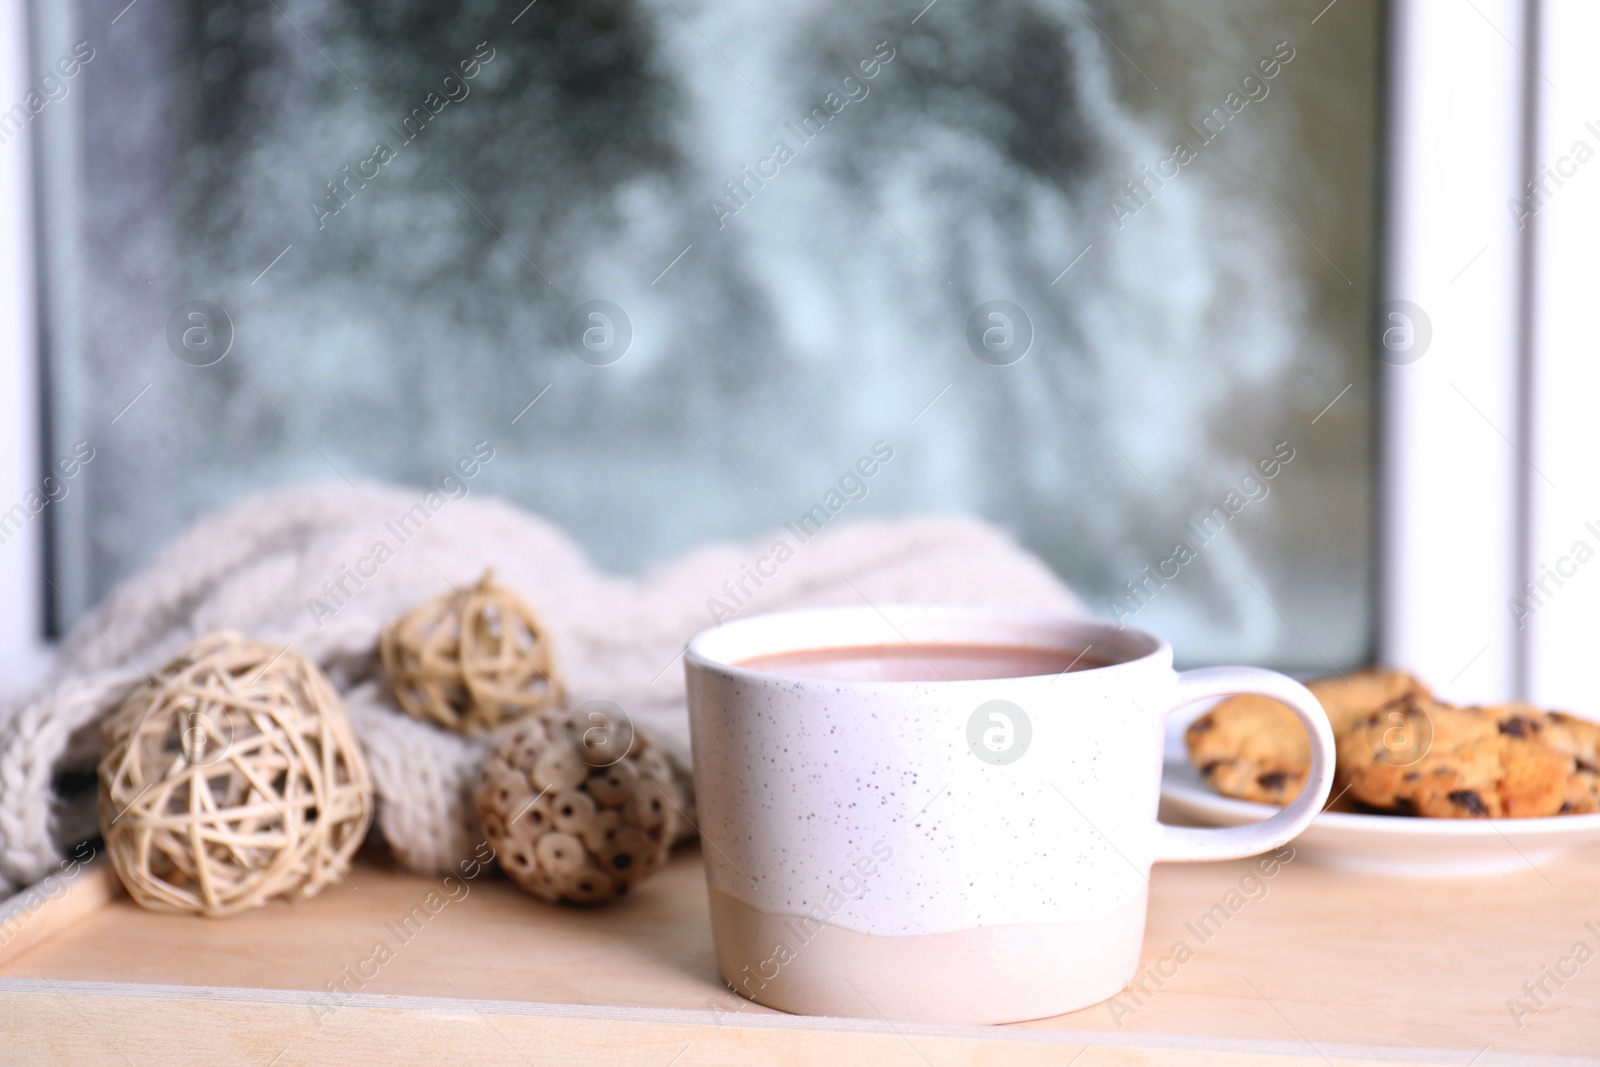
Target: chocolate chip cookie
1253,747
1575,738
1579,739
1418,756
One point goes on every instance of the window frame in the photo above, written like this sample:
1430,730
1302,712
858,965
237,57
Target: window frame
1463,518
1562,374
1454,516
24,652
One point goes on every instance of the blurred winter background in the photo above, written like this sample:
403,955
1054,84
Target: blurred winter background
770,348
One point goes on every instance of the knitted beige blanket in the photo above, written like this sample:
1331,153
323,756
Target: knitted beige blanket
305,568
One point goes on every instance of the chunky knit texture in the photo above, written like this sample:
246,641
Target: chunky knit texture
261,568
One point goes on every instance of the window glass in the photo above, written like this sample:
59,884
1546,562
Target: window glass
1097,273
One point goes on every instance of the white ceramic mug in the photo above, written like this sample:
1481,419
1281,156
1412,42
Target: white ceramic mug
892,849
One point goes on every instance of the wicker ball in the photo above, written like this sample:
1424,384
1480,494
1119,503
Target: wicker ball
579,807
472,661
232,780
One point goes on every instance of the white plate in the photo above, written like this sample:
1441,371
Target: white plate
1379,844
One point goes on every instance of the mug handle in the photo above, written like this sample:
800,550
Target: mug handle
1188,843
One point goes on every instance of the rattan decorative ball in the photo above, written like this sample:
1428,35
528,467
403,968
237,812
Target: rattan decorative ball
471,661
579,808
231,780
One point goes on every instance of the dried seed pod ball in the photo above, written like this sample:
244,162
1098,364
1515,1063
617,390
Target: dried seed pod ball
579,807
471,661
231,780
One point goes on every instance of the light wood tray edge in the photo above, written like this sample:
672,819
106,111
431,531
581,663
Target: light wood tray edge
53,904
377,1029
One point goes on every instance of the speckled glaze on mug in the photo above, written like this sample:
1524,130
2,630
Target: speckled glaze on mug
894,849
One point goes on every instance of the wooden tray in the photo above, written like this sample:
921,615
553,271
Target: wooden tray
1310,966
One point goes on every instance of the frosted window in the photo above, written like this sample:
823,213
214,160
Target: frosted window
730,248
